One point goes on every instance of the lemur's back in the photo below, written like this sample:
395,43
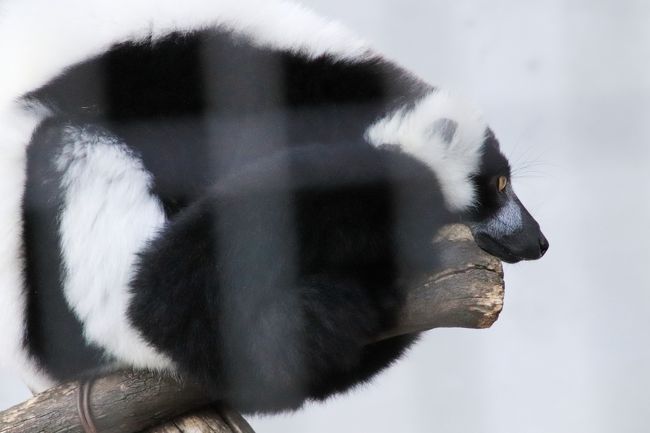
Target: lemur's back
215,101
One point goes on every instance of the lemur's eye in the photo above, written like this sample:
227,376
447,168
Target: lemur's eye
502,183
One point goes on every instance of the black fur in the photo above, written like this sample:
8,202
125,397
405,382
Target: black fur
54,334
493,164
271,288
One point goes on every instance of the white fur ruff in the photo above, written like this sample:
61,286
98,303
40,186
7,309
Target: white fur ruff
412,130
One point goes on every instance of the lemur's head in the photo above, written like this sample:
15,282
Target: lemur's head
500,223
451,137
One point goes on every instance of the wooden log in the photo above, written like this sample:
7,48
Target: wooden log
466,292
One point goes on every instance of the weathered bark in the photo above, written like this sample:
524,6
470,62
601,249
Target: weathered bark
467,292
206,421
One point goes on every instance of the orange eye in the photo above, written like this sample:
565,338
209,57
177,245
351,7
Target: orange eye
502,183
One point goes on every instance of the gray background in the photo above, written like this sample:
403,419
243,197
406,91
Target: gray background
566,87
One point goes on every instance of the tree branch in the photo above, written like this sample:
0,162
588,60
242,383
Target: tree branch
467,292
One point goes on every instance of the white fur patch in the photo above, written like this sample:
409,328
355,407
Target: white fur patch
508,220
109,215
453,158
17,126
40,38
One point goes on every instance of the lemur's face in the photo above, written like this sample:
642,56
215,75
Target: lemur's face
500,223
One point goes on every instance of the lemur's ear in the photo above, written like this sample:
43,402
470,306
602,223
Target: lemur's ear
445,129
491,139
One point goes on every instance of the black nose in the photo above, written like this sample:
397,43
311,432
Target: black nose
543,244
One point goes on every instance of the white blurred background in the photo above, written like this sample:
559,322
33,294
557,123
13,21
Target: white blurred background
566,87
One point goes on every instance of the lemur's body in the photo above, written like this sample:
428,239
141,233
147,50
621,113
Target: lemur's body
236,204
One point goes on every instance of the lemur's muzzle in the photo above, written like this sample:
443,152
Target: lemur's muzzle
512,234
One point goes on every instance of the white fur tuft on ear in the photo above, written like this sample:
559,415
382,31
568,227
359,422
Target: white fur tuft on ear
444,132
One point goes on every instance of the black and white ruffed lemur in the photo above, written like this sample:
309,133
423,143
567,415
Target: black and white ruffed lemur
234,191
